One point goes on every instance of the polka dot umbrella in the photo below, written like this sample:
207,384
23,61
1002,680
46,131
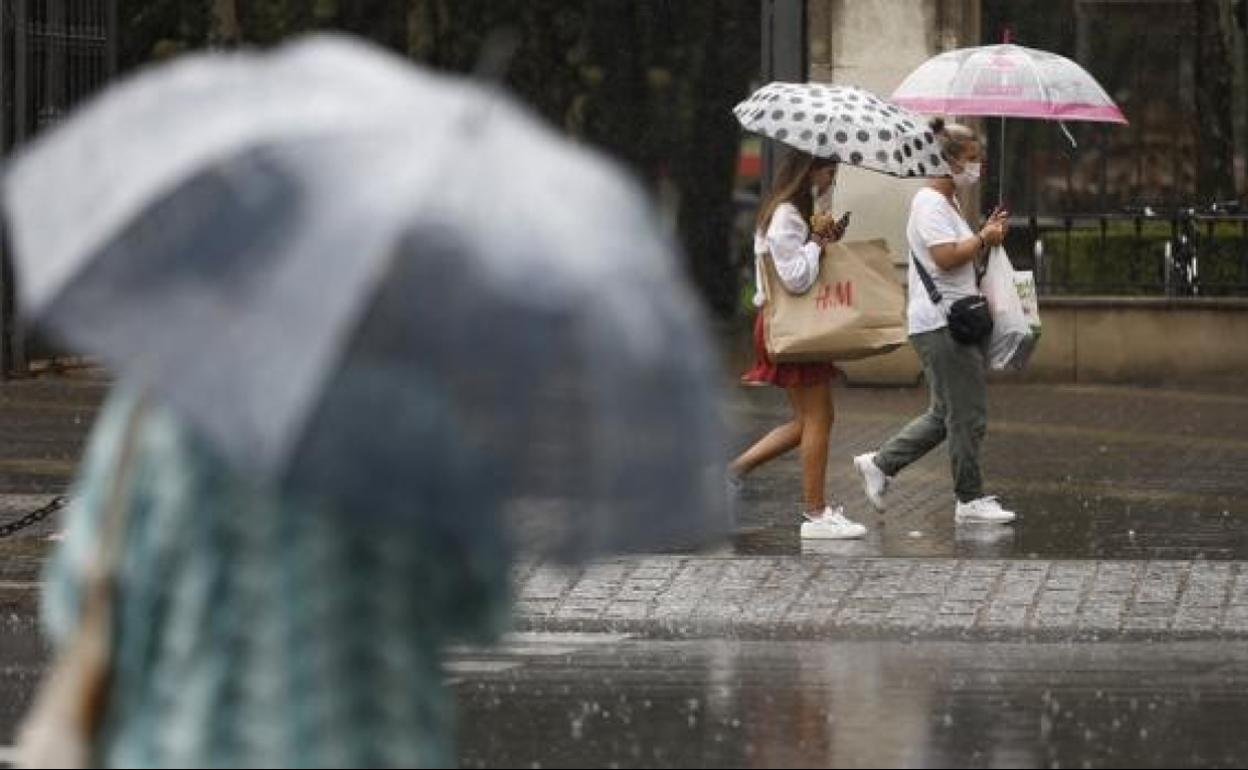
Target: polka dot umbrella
847,124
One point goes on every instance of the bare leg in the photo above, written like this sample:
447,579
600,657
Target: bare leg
775,443
814,406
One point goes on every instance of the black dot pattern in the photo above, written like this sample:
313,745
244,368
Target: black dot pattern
846,124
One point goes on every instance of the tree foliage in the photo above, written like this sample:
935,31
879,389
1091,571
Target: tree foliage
651,82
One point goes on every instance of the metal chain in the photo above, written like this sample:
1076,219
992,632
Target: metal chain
35,516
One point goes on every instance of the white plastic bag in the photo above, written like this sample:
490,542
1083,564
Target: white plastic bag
1011,332
1025,282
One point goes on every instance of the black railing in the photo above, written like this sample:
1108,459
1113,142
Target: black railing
53,54
1190,251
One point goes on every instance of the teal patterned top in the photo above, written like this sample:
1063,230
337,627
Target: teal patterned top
256,630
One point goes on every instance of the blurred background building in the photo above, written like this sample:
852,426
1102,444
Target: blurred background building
652,82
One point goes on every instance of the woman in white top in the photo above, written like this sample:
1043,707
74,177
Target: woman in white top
947,247
784,233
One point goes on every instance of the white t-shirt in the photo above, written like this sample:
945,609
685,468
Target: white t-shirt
933,221
796,257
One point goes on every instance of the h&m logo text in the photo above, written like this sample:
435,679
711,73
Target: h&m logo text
839,294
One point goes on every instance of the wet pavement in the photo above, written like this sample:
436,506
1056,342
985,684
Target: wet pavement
587,700
43,425
725,704
1094,472
1133,503
1103,629
1133,525
23,655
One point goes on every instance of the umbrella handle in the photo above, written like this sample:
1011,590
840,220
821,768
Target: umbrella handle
1001,167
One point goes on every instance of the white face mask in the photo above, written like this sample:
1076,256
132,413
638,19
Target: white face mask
967,177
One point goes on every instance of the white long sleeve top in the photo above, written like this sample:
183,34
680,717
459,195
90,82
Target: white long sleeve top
796,257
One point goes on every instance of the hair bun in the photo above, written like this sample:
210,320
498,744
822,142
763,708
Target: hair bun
937,125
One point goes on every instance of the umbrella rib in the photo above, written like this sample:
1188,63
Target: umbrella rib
1044,91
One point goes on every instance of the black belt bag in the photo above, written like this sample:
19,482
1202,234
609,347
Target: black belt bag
970,318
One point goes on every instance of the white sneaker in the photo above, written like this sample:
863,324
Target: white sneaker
985,509
832,525
874,482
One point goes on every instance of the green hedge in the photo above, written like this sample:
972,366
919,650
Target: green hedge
1122,262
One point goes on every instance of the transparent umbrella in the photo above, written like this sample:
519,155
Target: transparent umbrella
366,281
1007,80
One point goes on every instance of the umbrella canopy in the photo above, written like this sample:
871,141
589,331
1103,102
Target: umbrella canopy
844,123
1008,81
367,282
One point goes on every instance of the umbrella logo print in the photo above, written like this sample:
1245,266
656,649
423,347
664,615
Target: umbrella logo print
998,89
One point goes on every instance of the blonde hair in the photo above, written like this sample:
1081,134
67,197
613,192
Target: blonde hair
954,138
792,185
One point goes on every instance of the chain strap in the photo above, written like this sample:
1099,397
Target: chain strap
34,517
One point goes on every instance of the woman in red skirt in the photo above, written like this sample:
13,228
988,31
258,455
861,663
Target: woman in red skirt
783,231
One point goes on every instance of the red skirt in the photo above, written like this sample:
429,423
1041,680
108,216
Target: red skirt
765,371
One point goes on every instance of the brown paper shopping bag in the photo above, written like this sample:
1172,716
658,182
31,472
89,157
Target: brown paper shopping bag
856,308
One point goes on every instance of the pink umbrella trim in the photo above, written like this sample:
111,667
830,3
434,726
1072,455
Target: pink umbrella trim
1012,108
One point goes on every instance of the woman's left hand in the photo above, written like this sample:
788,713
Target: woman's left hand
1001,217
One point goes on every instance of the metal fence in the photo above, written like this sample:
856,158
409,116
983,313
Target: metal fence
1183,252
53,54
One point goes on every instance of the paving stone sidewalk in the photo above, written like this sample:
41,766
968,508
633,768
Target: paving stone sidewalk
826,596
